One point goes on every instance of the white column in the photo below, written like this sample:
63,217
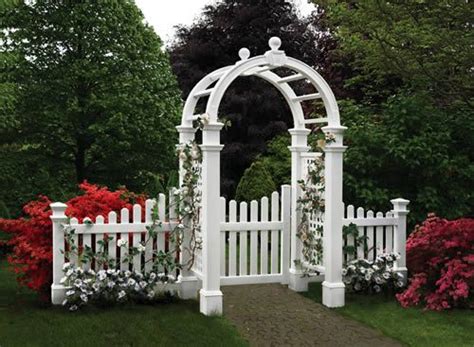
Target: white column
299,144
210,293
188,282
58,217
333,287
400,234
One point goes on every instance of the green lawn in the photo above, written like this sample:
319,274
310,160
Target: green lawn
414,327
24,322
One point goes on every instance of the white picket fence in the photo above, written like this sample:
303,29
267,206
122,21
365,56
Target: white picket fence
382,232
133,230
255,247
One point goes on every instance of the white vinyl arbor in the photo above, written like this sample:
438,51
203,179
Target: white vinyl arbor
261,66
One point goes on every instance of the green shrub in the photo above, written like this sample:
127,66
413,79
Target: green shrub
255,183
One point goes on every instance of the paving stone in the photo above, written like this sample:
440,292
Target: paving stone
273,315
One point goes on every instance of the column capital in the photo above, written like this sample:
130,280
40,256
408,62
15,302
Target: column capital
211,148
337,130
400,205
335,149
299,148
213,127
299,132
59,210
186,129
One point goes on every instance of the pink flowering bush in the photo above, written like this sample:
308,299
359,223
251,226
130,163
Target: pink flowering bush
440,257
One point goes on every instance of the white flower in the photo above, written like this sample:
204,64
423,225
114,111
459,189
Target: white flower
400,284
204,118
386,275
91,272
143,284
70,292
84,297
127,273
121,294
141,248
64,302
131,282
151,294
96,286
73,308
121,242
152,276
78,282
136,287
66,265
110,284
367,277
69,272
344,272
63,280
180,226
110,271
102,275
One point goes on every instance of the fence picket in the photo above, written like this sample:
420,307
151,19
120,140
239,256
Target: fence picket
99,220
232,239
137,237
112,243
124,219
389,234
360,215
73,258
264,237
149,203
253,238
379,235
172,217
223,238
161,237
275,251
370,238
350,238
243,235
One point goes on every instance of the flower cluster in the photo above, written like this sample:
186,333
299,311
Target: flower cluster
31,239
112,286
367,276
440,256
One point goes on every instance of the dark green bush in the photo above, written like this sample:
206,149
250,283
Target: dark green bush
255,183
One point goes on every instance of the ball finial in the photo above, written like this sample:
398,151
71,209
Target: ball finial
274,43
244,53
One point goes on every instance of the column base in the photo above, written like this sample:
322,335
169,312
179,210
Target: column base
297,282
188,287
333,294
58,294
210,302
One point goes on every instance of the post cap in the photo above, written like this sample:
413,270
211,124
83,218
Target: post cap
58,209
400,204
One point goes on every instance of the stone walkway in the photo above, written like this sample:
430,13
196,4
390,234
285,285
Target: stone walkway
273,315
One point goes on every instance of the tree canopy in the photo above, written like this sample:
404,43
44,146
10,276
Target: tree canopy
91,92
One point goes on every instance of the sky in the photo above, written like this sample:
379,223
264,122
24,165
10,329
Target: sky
164,15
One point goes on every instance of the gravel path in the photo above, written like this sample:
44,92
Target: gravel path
273,315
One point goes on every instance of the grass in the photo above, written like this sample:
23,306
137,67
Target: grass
25,322
412,326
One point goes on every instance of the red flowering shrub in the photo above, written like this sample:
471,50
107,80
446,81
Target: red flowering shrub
32,234
440,256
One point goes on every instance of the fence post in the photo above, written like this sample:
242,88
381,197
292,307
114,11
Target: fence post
333,287
299,145
400,234
210,294
188,282
285,233
58,218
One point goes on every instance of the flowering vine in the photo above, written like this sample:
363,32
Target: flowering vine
311,202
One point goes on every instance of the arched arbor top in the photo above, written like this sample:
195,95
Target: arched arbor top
262,66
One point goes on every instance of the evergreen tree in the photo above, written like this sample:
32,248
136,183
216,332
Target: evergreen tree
255,183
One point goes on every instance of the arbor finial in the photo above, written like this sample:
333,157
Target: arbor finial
244,53
274,43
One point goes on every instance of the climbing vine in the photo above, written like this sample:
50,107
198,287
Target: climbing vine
310,203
